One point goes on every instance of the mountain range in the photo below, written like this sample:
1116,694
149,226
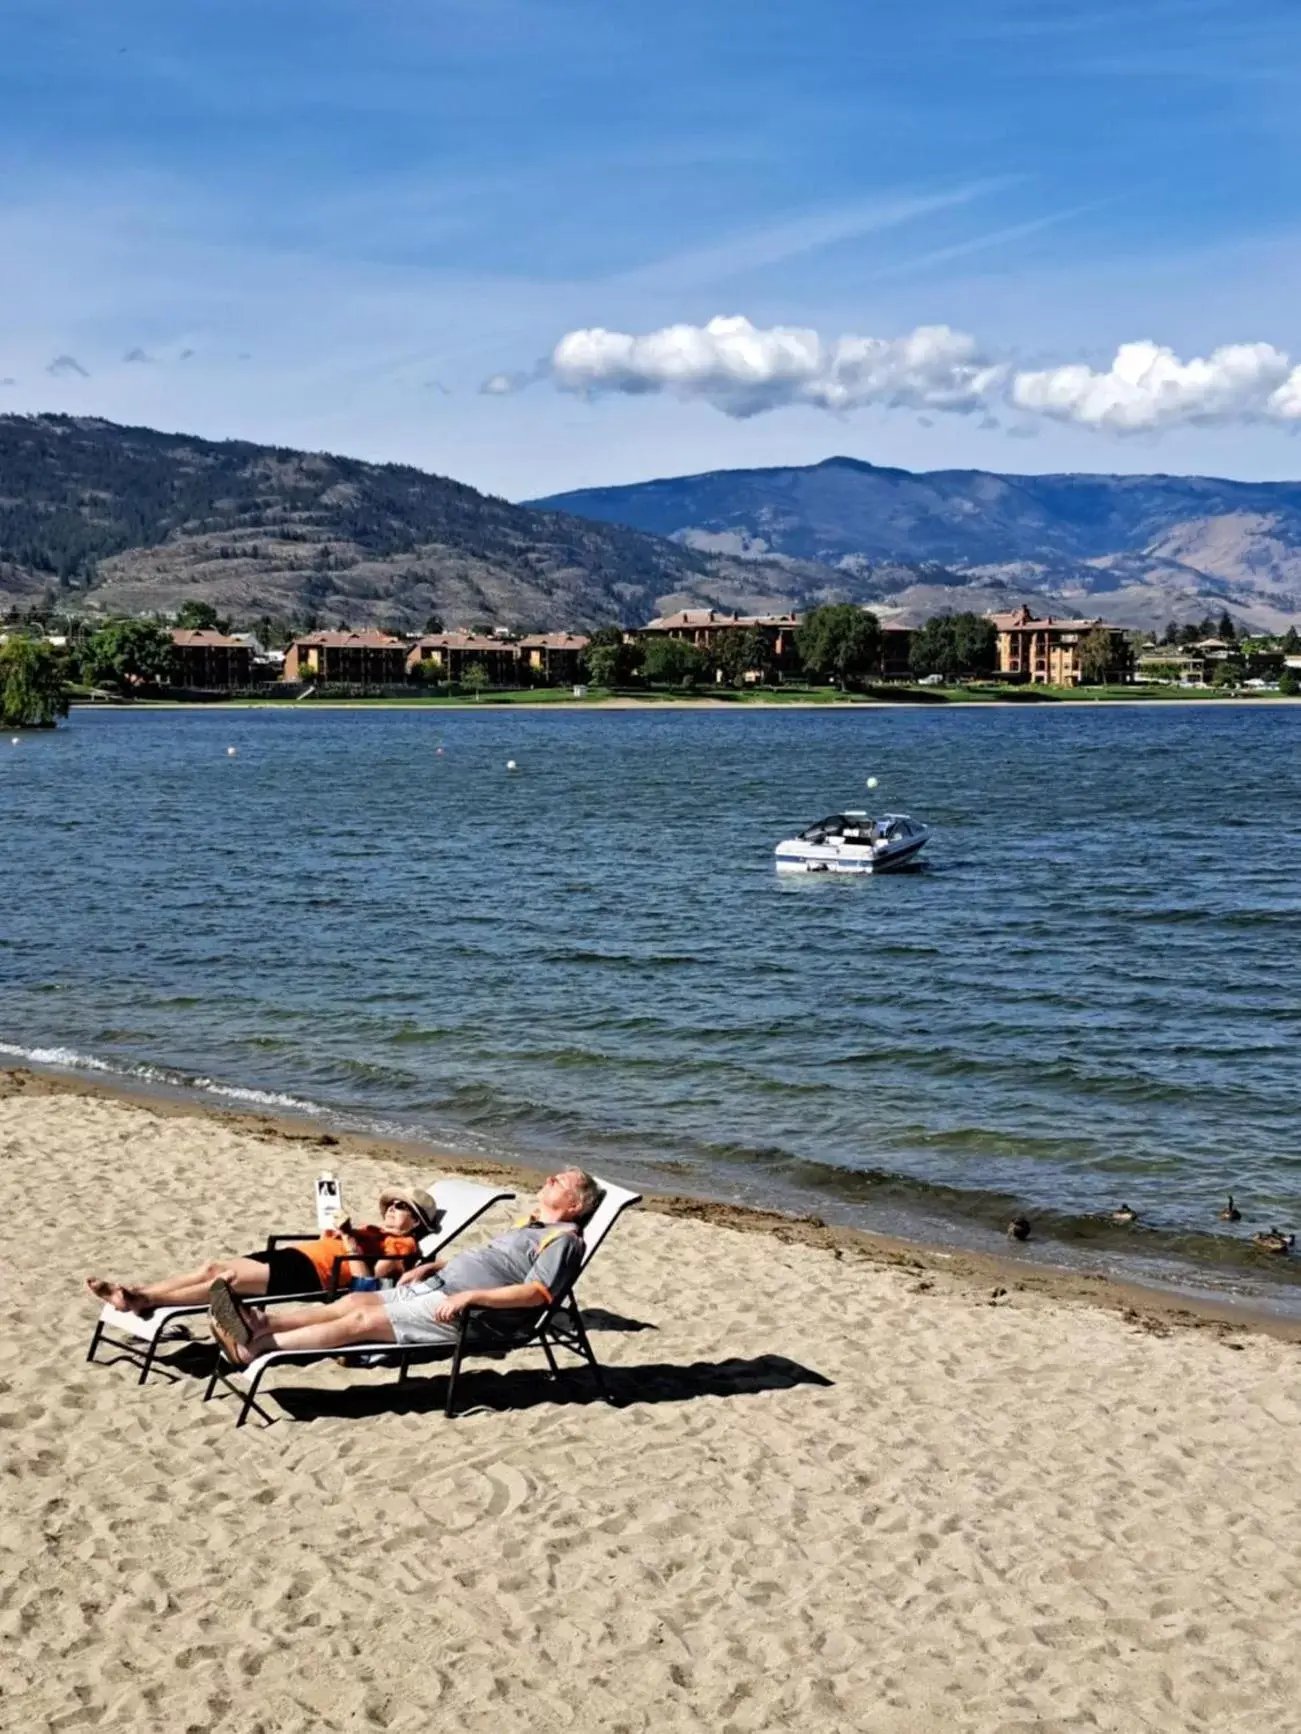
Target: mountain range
104,519
110,519
1138,549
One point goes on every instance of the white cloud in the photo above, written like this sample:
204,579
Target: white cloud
501,384
1147,386
744,370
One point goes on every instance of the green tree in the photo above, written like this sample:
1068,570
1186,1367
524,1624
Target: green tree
1224,627
1227,674
1171,635
840,642
738,654
1289,683
1291,641
601,665
128,653
953,645
474,678
1099,657
608,659
200,617
33,693
673,662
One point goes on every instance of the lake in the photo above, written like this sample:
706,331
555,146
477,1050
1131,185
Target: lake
1088,995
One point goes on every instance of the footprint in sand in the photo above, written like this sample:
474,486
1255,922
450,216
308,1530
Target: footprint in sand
509,1489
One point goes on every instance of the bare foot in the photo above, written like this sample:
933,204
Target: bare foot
118,1296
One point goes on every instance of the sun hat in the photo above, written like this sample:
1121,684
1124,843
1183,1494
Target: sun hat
417,1200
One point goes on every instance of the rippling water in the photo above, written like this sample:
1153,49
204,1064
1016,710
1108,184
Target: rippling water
1089,994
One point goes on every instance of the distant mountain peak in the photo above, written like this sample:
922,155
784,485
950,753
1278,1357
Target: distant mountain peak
1050,536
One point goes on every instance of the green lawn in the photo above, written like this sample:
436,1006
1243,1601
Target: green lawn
893,694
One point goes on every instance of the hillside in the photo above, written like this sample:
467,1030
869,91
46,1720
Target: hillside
121,519
1140,549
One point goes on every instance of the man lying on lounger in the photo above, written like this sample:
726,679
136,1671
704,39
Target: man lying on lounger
513,1275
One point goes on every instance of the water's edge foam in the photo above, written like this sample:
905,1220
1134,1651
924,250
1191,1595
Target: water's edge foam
876,1201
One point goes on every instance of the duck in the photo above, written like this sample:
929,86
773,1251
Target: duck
1230,1213
1019,1228
1274,1241
1124,1214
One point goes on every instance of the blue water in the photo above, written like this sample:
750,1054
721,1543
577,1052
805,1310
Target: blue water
1091,992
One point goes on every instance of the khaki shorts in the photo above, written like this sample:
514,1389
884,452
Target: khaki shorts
411,1315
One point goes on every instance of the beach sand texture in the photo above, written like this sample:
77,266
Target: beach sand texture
841,1495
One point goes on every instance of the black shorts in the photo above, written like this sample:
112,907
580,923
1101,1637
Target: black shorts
288,1271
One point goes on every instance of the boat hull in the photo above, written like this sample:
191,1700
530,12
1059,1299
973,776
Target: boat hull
797,856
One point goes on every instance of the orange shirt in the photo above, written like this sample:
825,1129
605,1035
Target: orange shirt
372,1243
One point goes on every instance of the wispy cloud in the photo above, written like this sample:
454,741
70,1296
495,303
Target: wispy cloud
63,365
775,243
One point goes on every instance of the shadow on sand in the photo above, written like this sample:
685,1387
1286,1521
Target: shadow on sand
522,1388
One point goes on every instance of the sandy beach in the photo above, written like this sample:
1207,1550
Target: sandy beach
850,1485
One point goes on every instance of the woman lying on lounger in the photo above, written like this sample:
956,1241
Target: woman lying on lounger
306,1267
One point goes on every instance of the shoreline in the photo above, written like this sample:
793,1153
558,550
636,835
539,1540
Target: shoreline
733,706
1153,1308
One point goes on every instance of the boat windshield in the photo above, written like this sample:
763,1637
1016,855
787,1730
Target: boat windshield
841,827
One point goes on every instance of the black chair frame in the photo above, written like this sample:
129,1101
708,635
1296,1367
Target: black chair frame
559,1325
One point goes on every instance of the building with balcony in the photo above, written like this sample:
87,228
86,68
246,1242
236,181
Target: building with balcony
452,653
703,627
367,658
553,657
1045,651
210,661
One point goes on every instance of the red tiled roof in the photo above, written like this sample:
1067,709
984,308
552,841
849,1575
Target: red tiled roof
554,641
462,641
194,638
1021,620
369,640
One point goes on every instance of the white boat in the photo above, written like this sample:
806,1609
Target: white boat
853,843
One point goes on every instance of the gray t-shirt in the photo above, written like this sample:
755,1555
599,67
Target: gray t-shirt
547,1253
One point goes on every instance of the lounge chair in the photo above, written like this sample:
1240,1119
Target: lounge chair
558,1325
459,1202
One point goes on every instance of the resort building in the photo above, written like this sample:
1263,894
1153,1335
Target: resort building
210,661
1178,664
554,657
704,626
451,653
367,658
1046,652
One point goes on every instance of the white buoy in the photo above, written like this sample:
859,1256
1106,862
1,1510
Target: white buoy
14,740
510,764
231,751
871,782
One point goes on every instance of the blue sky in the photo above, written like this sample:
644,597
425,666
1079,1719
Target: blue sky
330,224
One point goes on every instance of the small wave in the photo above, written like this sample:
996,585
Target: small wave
68,1059
56,1057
